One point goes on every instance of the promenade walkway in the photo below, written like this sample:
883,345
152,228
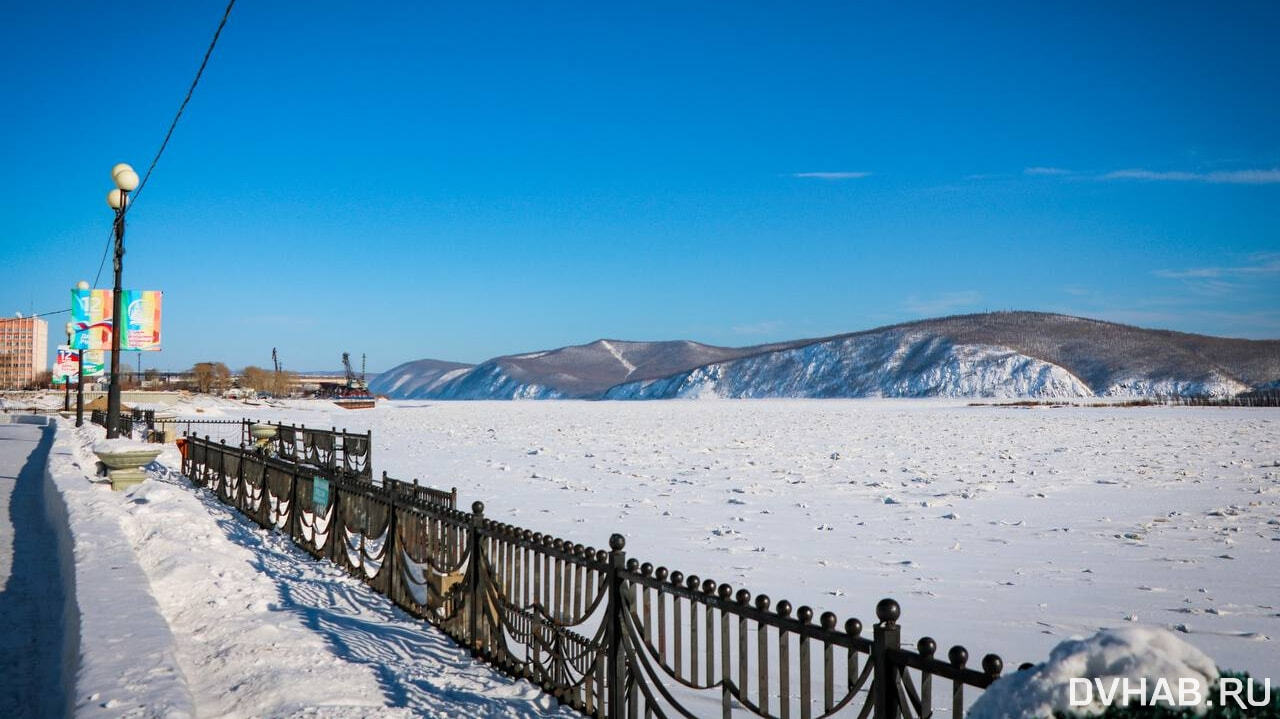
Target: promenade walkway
31,682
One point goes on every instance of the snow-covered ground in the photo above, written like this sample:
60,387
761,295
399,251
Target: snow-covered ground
1004,529
259,628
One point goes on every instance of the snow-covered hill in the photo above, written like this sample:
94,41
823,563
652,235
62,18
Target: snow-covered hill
1001,354
417,378
895,364
580,371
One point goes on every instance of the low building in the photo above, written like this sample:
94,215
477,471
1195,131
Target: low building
24,350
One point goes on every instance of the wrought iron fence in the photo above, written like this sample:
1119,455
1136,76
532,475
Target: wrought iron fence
125,424
233,431
334,451
607,635
349,454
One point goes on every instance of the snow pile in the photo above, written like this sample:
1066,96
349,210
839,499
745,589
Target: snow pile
1132,657
127,662
120,444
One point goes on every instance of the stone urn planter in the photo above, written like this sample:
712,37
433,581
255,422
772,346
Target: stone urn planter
260,431
124,460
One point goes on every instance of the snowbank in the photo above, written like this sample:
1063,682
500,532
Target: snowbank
127,665
120,444
1106,659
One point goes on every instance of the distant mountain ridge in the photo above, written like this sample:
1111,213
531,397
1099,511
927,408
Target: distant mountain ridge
999,354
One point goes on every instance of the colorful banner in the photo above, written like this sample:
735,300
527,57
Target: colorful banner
68,359
66,364
95,363
91,317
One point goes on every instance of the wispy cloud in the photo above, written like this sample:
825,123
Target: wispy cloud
1042,171
1218,177
1266,263
942,304
831,175
759,328
1220,281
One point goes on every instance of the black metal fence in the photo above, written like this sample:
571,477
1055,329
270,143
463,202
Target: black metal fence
334,451
608,635
138,421
348,454
233,431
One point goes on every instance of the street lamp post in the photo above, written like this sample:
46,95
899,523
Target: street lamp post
66,379
126,181
81,285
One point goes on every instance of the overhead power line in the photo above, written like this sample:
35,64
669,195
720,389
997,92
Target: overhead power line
27,317
165,143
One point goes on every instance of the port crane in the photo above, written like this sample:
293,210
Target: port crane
355,395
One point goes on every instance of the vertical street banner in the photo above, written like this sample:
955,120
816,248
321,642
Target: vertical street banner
91,317
65,365
95,363
69,358
142,308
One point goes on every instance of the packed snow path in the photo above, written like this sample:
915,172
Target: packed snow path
31,602
263,629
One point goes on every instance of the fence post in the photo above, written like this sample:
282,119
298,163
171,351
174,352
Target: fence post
616,655
391,558
295,510
241,501
473,584
368,453
887,635
222,469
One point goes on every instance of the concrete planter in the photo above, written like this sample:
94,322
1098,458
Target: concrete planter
124,463
262,431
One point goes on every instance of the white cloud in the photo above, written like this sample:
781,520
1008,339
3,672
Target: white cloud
1266,263
1045,171
942,304
1218,177
831,175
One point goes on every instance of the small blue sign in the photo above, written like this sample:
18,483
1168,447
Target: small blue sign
319,492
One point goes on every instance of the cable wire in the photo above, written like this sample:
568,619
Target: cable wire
165,143
27,317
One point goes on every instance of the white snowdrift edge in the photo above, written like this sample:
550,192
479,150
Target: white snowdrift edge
117,645
1132,654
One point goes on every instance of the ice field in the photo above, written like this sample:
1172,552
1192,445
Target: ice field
1001,528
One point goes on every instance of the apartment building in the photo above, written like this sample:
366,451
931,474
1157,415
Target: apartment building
24,350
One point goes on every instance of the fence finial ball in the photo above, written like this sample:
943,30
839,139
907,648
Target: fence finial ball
617,542
477,507
992,665
888,611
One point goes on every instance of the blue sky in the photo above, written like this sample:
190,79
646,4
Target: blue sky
465,180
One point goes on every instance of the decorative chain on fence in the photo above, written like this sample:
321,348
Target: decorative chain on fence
604,634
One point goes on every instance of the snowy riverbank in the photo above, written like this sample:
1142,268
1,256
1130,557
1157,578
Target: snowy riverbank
190,610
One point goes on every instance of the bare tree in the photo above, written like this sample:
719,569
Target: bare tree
257,378
211,376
